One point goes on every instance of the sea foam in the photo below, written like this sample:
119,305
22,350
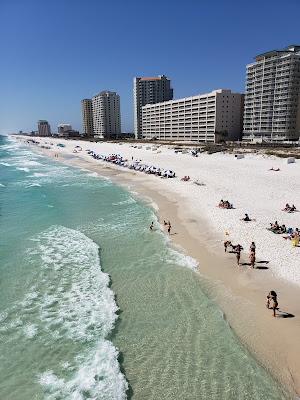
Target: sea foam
69,301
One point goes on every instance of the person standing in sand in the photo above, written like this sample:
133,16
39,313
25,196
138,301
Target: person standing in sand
252,259
252,247
272,301
238,249
226,244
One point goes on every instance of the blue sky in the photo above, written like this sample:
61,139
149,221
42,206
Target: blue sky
56,52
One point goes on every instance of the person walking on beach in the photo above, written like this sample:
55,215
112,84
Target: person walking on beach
252,247
252,259
169,227
272,301
151,226
226,244
238,249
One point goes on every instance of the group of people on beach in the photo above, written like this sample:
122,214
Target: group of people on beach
237,250
281,229
166,223
136,165
276,228
225,204
293,234
289,208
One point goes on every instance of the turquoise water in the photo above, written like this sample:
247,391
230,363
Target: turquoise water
95,306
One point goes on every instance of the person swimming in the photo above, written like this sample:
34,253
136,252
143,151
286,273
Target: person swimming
151,226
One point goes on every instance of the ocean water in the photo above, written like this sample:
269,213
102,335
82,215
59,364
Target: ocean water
95,306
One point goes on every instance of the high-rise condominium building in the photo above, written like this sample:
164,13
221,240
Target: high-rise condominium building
149,91
44,128
87,117
204,118
106,114
272,101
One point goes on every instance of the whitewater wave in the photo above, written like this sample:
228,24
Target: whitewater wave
130,200
179,258
69,302
25,169
33,185
5,164
98,377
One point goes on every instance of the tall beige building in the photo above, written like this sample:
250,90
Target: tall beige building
87,117
149,90
106,114
207,117
44,128
272,97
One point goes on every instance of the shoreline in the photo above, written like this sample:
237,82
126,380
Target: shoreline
238,293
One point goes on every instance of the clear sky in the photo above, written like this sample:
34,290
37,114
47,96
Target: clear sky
56,52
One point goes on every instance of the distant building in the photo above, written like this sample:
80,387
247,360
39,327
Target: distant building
149,90
106,114
207,117
65,130
87,117
272,97
44,128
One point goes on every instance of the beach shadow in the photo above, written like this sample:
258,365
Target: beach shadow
262,262
175,233
256,267
284,314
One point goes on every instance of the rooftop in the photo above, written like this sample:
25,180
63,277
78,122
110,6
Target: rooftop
152,78
289,49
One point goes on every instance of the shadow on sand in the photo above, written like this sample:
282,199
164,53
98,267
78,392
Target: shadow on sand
284,314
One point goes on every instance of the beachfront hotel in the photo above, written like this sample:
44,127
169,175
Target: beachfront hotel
87,117
149,90
206,117
44,128
106,114
272,101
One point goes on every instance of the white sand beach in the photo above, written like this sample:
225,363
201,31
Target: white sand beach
201,228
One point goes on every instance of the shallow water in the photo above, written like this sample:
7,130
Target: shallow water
63,318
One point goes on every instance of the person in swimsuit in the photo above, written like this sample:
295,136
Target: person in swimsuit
151,226
272,301
252,259
226,244
238,249
252,248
